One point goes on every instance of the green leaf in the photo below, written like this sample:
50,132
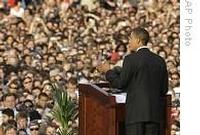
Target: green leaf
64,110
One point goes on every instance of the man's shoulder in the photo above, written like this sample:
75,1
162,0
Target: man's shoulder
130,56
136,56
159,58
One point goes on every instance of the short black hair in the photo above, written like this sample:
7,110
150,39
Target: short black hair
43,95
12,122
142,34
73,80
8,112
9,95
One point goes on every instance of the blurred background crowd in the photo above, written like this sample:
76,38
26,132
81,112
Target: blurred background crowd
62,41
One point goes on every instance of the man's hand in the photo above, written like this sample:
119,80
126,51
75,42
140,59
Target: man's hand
104,67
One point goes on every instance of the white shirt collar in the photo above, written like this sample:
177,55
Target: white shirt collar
141,47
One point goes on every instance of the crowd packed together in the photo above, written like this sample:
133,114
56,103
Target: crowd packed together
61,41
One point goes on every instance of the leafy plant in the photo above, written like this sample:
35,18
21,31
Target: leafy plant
64,111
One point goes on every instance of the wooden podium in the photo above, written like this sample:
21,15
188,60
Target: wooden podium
100,114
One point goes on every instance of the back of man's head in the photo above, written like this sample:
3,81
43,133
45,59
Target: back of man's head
141,34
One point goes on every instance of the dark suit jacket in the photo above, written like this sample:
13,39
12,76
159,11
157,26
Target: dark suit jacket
145,79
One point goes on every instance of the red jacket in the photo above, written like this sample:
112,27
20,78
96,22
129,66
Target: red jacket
12,3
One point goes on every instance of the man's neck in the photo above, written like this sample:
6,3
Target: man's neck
141,47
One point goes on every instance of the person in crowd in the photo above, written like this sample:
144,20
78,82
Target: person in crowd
34,128
39,36
72,88
44,106
10,130
17,10
50,130
22,121
7,114
10,101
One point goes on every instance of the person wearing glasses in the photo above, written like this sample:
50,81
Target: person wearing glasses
34,127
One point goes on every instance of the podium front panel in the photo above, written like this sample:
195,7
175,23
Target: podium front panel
99,114
97,118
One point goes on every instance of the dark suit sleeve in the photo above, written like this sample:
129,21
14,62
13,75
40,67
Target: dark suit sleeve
121,80
165,81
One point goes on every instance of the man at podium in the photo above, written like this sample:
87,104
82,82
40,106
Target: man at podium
144,77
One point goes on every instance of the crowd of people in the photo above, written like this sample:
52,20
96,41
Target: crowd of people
61,41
